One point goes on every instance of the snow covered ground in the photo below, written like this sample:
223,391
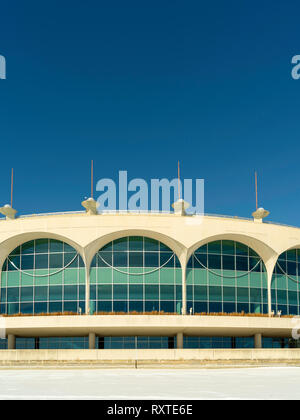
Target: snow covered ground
241,383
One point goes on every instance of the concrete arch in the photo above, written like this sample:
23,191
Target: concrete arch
7,246
265,252
91,249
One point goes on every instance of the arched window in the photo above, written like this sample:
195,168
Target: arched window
226,276
135,274
285,286
43,276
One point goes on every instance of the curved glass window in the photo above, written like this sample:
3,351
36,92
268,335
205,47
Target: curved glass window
135,274
226,277
285,286
43,276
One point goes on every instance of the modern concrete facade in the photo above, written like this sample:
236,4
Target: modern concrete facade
182,236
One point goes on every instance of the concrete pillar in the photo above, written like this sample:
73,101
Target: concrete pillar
11,342
258,341
92,341
180,340
87,289
184,302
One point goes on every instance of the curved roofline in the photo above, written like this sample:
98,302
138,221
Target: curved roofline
150,213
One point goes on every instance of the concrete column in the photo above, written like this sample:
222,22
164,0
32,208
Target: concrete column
87,289
258,341
184,302
180,340
270,266
11,342
92,341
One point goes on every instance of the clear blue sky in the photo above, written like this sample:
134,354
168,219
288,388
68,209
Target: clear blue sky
137,85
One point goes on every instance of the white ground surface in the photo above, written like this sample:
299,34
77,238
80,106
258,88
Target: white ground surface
251,383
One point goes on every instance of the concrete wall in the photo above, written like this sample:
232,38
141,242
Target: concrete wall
149,354
147,325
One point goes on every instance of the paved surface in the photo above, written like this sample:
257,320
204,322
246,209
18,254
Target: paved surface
251,383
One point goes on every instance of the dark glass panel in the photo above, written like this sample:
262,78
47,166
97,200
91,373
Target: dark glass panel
136,243
166,260
229,308
215,307
13,294
178,292
136,306
28,248
41,261
55,307
200,307
228,262
136,259
26,308
291,268
41,246
105,292
242,294
151,259
242,264
71,307
255,295
81,292
214,247
151,244
243,307
120,259
228,248
151,292
215,294
167,307
200,293
164,248
241,249
229,294
152,306
41,293
68,248
56,261
27,294
135,292
293,298
202,250
120,306
167,293
27,262
93,292
40,308
281,296
70,293
14,263
214,262
120,244
120,291
56,246
105,259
